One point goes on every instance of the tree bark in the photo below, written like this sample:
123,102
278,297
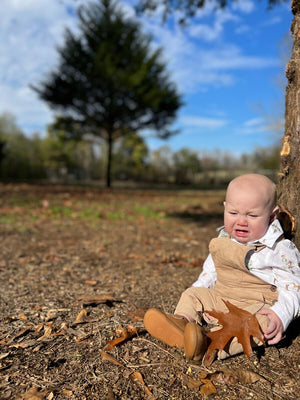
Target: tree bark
289,175
109,160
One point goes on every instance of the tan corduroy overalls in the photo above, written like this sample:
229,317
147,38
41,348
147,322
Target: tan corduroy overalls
234,283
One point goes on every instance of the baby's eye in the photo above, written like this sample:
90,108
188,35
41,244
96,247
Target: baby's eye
253,215
232,213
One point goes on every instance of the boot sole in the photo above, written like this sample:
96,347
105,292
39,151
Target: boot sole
195,342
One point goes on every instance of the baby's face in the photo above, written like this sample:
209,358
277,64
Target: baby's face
247,214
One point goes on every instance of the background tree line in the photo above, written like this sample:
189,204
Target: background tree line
57,158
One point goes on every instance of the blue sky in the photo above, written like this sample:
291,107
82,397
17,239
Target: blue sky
226,64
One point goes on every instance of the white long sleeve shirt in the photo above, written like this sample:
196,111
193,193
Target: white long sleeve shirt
276,264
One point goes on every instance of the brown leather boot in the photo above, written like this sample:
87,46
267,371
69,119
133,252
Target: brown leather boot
166,327
195,342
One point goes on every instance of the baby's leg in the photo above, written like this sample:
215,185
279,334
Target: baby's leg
195,300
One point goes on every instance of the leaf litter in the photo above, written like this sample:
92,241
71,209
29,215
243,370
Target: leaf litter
67,288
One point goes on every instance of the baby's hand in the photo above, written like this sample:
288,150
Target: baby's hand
274,331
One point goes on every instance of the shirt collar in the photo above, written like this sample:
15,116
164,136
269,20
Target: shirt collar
270,237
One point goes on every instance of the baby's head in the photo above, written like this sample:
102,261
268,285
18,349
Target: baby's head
249,207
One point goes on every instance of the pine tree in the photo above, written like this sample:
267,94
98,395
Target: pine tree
109,81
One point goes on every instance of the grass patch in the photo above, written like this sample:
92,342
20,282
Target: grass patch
148,212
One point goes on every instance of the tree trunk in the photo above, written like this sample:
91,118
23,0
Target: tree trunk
289,175
109,159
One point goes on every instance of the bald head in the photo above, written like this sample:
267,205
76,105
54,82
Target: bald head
254,183
250,207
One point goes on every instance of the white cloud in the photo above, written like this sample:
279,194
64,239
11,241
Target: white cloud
254,126
30,33
245,6
193,65
213,31
202,122
274,20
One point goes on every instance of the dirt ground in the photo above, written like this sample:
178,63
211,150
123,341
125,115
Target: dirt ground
78,264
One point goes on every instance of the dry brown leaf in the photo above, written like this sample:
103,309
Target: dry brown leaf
97,299
247,376
5,341
23,332
81,317
125,334
134,256
224,376
108,357
39,327
66,392
47,333
208,387
231,376
63,330
25,344
236,323
90,282
193,383
3,355
137,315
136,377
22,316
33,394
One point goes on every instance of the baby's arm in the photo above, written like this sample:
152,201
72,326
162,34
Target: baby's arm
208,276
286,276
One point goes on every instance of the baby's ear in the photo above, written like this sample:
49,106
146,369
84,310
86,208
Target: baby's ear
274,213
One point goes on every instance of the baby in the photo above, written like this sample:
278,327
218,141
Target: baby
250,264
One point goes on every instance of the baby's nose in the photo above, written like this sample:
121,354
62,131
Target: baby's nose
242,220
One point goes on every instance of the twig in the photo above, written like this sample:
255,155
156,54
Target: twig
154,344
147,365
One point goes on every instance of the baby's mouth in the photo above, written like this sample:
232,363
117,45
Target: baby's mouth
241,231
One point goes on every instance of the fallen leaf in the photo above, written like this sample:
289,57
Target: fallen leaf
81,317
23,332
134,256
136,377
25,344
236,323
193,383
224,376
125,334
33,394
5,341
39,327
108,357
3,355
247,376
66,392
47,333
90,282
208,387
137,315
63,330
